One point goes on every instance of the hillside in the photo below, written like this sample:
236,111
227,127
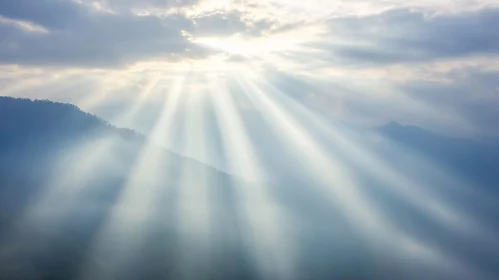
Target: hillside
67,170
81,199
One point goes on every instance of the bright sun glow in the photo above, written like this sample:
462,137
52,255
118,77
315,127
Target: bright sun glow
249,47
231,45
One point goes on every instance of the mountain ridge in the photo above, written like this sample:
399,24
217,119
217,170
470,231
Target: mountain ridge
62,122
94,169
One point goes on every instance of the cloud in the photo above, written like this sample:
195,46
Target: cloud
144,4
83,34
47,13
368,61
403,35
226,24
79,35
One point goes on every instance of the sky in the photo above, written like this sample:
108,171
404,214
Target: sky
433,64
271,90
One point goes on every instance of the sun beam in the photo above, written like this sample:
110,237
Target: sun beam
194,209
263,217
337,183
133,215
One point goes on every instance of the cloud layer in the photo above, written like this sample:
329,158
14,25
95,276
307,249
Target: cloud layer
405,36
421,63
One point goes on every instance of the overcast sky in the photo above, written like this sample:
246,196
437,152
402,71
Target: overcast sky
433,64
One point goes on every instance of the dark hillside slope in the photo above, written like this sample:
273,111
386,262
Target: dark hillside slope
26,124
56,150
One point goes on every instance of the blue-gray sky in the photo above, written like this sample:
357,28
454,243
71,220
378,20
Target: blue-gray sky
430,63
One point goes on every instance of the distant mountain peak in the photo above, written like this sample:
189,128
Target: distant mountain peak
395,127
393,124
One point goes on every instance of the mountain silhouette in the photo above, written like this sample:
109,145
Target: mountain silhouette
46,145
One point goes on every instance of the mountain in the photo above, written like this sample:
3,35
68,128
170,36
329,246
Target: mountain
475,159
62,174
77,192
82,199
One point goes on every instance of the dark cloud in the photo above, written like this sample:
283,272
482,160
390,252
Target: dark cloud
405,36
146,4
48,13
82,36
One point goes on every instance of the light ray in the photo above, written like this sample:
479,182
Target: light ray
143,96
329,171
63,192
337,183
263,216
194,221
34,83
425,199
60,196
110,83
132,216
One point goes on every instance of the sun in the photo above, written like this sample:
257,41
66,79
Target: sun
235,45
